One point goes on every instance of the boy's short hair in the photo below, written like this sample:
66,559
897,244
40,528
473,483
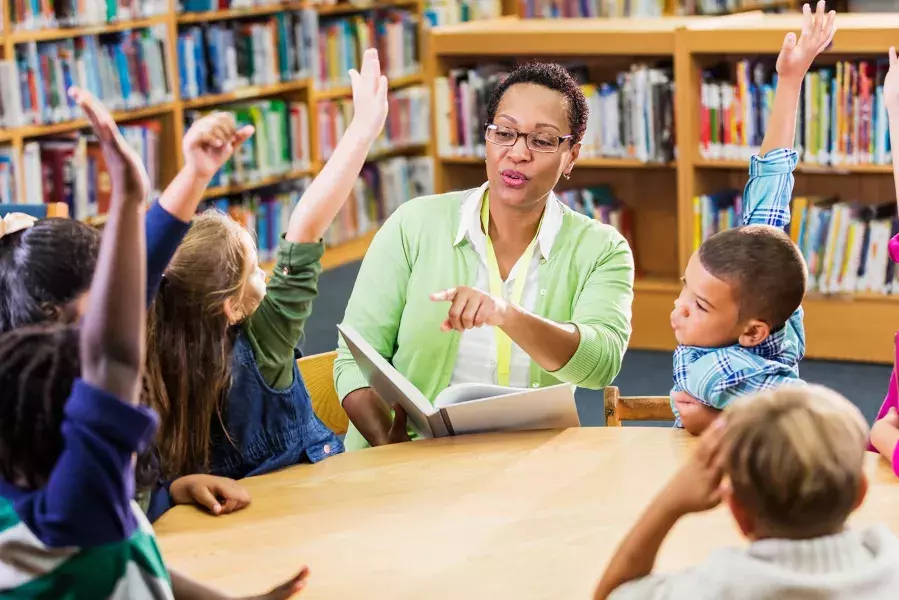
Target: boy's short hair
764,267
795,458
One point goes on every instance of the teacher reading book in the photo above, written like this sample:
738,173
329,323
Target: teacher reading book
502,284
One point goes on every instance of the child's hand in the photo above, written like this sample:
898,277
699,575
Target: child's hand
369,96
891,85
288,589
818,30
211,141
697,486
130,181
210,491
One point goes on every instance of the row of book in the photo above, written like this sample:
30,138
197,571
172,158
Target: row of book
71,169
225,56
280,144
46,14
124,70
844,243
342,40
379,190
631,117
554,9
408,121
842,115
449,12
600,203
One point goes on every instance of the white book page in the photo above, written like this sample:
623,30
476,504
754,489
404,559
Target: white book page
544,408
466,392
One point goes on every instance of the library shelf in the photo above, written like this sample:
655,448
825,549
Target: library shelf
809,168
398,150
237,188
33,131
345,91
745,7
344,8
589,163
45,35
5,136
188,18
340,254
247,93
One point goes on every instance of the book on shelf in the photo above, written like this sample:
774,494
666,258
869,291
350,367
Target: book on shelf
279,146
225,56
844,244
842,118
265,212
70,169
467,407
725,7
10,175
33,15
342,40
189,6
449,12
600,203
124,70
631,117
381,187
408,121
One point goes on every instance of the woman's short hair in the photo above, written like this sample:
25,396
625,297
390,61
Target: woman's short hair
552,76
795,458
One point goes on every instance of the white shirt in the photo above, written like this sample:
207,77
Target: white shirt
476,361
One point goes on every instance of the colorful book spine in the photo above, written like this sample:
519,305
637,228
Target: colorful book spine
71,169
449,12
51,14
600,203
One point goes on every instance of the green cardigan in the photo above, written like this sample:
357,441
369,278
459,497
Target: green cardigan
588,280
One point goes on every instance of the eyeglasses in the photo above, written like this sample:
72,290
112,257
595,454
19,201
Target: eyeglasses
537,141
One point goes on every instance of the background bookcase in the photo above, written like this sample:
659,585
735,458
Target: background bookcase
842,327
172,114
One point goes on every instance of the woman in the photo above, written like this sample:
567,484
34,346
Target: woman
502,284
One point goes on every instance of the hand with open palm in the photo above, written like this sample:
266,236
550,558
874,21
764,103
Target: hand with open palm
817,33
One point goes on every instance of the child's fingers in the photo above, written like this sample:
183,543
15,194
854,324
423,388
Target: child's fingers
243,134
291,587
96,114
371,66
354,78
204,497
806,20
893,58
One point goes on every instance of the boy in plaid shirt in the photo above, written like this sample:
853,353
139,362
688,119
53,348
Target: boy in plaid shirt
738,320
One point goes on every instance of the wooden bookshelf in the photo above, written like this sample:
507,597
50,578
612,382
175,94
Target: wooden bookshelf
172,113
844,327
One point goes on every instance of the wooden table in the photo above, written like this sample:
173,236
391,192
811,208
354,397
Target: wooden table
521,515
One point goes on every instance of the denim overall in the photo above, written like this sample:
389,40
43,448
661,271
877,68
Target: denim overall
268,429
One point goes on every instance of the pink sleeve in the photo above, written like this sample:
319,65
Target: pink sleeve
893,248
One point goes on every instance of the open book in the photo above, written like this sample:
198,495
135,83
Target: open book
464,408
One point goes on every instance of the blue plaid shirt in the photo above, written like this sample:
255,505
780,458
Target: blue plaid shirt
716,376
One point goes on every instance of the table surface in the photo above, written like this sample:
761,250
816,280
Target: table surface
516,515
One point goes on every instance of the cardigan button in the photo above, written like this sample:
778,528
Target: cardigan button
543,292
535,385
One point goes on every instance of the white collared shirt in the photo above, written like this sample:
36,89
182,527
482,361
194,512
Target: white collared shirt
476,360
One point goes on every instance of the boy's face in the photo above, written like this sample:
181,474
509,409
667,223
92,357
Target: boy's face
706,314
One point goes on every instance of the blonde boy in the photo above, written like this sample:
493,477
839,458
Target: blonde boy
789,465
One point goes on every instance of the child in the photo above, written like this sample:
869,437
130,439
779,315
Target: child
46,269
793,460
885,432
221,348
69,432
738,320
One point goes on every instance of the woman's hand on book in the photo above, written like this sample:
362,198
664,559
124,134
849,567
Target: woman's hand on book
796,57
369,97
470,308
211,141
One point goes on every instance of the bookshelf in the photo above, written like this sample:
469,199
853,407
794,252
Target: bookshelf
856,326
172,113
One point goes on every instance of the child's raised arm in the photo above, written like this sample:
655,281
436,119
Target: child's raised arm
793,63
330,189
113,331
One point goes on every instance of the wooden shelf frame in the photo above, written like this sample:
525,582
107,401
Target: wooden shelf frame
845,327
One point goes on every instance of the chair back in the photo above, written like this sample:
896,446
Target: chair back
635,408
318,374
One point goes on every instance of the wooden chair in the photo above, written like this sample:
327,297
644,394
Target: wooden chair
318,373
635,408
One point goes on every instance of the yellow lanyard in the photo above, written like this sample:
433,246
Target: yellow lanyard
503,342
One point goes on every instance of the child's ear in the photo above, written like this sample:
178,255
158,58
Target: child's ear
754,333
233,310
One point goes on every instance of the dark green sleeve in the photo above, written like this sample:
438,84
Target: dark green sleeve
277,325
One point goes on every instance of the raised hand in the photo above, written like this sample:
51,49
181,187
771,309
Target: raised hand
211,141
369,96
891,85
818,30
130,181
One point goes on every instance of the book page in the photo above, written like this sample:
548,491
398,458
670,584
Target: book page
543,408
466,392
